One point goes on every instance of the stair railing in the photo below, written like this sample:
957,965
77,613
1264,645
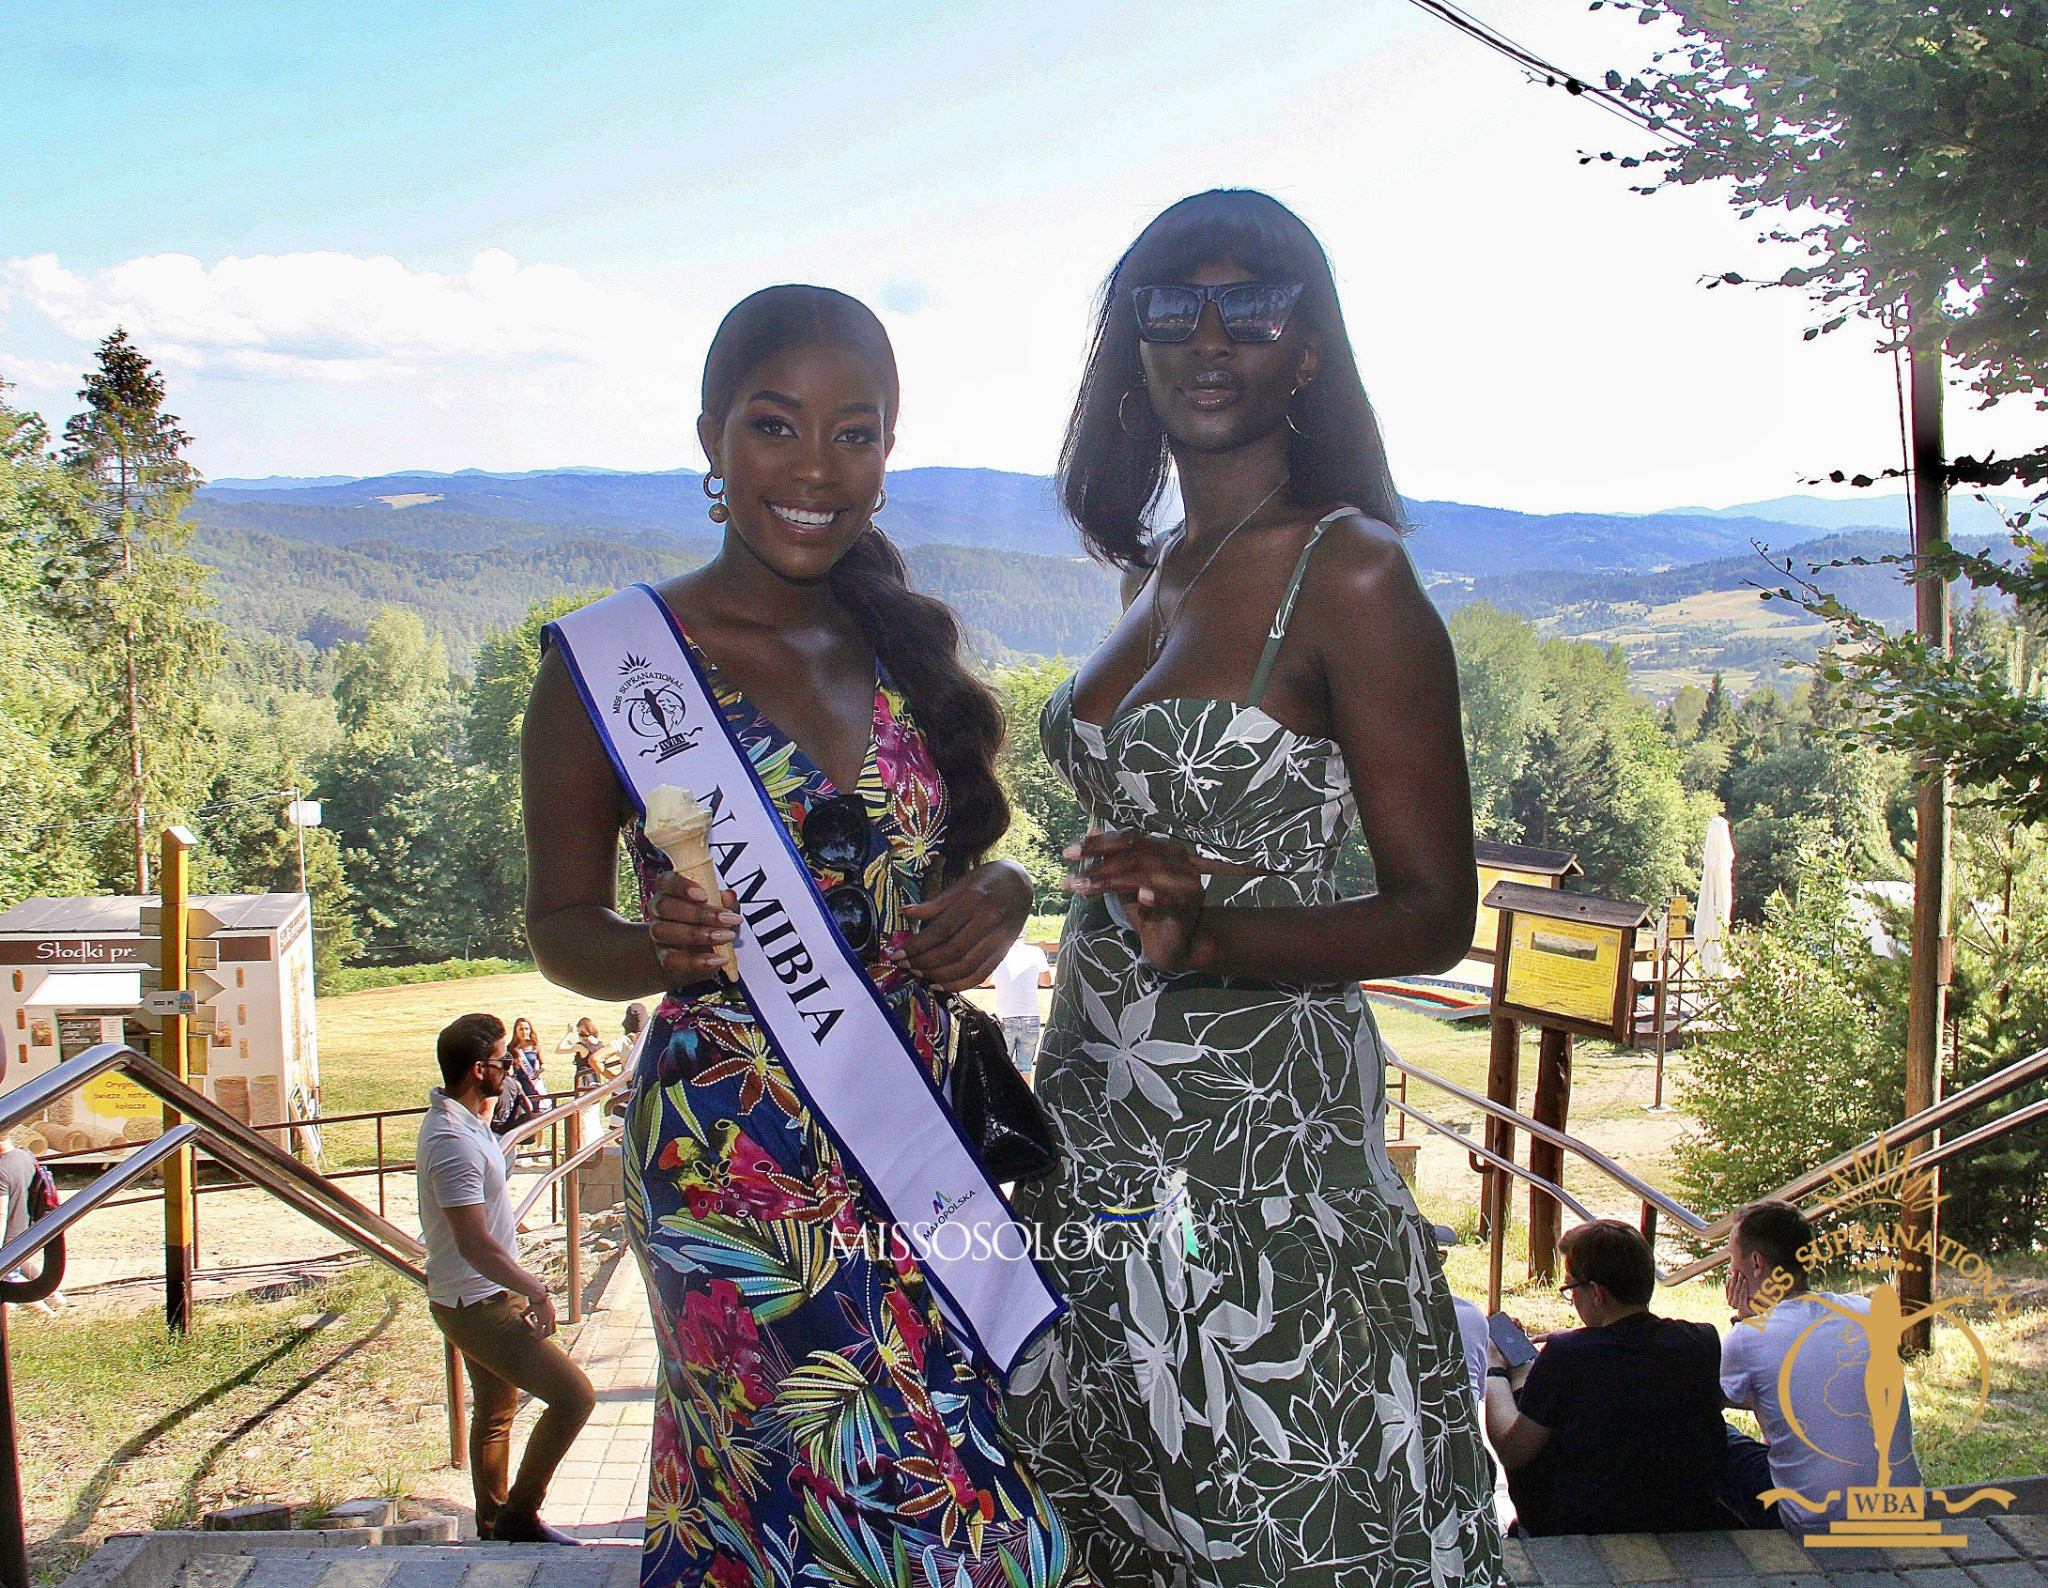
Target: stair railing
1916,1127
247,1151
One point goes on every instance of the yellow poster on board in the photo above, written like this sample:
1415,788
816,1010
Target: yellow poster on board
113,1108
1564,968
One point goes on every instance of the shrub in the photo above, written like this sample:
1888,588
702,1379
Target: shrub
361,978
1795,1066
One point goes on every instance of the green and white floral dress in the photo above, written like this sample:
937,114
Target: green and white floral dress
1261,1382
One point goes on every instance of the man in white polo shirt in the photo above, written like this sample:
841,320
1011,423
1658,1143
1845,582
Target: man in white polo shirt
1826,1386
496,1313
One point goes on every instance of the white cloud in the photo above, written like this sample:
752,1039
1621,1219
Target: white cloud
340,317
323,362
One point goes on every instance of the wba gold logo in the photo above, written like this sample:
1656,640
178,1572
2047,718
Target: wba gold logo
1885,1515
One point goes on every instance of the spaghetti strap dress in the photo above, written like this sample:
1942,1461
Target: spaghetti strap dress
1261,1381
816,1422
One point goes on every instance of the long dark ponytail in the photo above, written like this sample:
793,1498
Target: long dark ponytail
1114,461
916,637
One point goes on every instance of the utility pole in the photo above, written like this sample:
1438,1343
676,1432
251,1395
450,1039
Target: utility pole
1933,947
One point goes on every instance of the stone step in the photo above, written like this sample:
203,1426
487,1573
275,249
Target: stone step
213,1560
419,1566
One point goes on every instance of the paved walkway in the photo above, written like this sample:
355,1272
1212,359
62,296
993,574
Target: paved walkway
600,1489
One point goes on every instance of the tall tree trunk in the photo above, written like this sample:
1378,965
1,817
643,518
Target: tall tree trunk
130,638
141,813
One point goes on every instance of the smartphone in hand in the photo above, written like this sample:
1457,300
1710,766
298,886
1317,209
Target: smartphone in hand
1508,1339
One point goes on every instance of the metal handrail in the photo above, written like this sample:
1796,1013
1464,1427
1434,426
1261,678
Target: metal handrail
223,1137
1508,1165
576,1160
1557,1138
528,1129
219,1125
2000,1083
52,1225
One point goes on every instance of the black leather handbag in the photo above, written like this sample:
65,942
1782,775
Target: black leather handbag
1004,1122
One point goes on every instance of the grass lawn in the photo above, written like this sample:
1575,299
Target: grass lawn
320,1396
377,1047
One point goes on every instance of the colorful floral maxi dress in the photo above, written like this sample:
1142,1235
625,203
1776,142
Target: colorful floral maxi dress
816,1422
1261,1381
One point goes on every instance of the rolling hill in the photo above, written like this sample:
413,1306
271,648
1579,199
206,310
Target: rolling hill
955,507
471,552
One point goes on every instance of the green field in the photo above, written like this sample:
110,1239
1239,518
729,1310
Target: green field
377,1047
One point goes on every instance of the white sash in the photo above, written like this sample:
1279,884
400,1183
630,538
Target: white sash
815,1003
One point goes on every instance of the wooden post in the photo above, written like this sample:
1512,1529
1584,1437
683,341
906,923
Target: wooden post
1932,945
458,1409
1552,1105
572,1215
180,1221
1503,1084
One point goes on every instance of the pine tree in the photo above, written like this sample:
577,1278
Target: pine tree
135,606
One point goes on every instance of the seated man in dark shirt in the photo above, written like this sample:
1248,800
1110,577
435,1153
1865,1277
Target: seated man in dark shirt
1617,1428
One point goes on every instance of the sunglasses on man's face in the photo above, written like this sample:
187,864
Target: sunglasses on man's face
1252,311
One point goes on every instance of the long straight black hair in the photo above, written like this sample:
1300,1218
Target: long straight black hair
916,637
1113,463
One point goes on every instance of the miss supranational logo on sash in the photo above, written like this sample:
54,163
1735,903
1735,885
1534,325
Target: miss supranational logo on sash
653,705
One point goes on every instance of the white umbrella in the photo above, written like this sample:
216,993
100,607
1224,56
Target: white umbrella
1717,897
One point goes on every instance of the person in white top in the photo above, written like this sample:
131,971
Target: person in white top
498,1314
1826,1384
1016,982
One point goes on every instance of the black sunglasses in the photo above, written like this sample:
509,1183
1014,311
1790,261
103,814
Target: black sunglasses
1253,311
837,837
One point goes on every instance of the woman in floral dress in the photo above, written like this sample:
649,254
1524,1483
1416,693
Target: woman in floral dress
817,1421
1261,1381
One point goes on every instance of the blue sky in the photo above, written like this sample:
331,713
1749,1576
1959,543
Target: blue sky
364,237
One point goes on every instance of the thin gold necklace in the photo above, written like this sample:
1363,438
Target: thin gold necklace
1160,629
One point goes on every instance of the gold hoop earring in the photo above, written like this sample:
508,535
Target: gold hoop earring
1291,425
717,512
1122,422
881,501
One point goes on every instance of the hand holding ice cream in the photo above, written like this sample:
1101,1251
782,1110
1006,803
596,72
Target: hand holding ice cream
679,825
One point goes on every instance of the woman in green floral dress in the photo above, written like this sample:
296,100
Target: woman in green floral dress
1261,1382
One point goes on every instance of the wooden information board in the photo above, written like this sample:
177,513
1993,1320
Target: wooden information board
1566,959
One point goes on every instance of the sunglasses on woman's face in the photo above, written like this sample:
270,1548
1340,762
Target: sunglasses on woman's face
1253,311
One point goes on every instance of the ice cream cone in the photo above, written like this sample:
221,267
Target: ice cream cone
680,827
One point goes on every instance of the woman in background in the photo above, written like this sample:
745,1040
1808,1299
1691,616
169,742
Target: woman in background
522,1096
1266,1385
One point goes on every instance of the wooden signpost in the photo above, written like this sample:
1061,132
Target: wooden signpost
1564,963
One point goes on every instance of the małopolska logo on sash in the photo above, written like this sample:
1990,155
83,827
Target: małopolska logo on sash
652,705
1885,1515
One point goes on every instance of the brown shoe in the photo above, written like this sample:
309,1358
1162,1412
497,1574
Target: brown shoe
517,1527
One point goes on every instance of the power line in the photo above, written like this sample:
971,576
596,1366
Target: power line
168,810
1550,74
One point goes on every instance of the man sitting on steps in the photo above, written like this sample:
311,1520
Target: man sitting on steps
1839,1451
1617,1428
496,1313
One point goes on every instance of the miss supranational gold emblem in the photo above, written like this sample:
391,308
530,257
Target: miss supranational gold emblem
1885,1515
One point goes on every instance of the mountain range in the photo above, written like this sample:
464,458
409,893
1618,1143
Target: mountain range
967,507
471,551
